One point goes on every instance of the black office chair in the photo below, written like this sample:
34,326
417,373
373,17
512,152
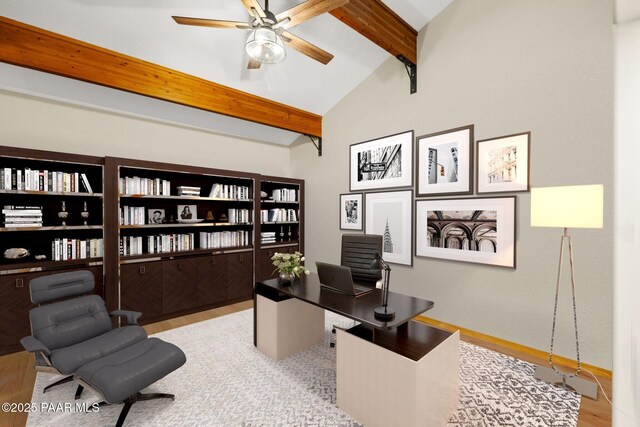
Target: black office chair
358,250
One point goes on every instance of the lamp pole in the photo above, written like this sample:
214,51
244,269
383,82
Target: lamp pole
383,312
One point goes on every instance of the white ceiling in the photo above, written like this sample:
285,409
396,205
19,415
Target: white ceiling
144,29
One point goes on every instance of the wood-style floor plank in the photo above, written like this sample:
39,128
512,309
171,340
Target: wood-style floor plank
17,376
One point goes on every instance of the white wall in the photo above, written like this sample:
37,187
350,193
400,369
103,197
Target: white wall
626,363
30,122
506,66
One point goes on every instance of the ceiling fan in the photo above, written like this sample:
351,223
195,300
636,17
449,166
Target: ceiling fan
265,43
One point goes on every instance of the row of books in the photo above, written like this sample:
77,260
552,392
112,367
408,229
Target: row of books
240,216
131,245
224,239
134,245
68,249
22,216
278,215
43,180
130,215
188,191
230,191
145,186
268,237
284,195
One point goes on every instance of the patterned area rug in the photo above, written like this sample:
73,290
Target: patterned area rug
228,382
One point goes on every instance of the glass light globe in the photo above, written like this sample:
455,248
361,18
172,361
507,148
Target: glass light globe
265,45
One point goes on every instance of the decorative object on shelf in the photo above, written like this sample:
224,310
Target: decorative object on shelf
223,217
209,216
281,233
289,233
84,214
445,162
41,257
156,216
471,229
187,212
351,211
190,221
389,214
289,266
263,195
384,312
172,219
16,253
503,164
579,206
63,214
382,163
188,191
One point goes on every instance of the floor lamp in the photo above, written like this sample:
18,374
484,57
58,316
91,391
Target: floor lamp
577,206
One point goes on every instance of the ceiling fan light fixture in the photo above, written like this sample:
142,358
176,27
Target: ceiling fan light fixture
266,46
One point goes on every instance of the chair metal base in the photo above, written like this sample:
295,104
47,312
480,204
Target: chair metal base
580,385
62,381
128,403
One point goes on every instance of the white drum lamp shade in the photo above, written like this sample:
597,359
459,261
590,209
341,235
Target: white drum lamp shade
576,206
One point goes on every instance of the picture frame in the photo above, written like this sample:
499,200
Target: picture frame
444,162
187,213
155,216
476,230
351,211
390,214
502,164
382,163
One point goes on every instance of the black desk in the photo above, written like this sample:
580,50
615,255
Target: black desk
308,289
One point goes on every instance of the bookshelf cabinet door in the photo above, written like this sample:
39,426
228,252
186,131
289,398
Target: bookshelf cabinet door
15,303
240,275
264,266
179,285
212,279
141,288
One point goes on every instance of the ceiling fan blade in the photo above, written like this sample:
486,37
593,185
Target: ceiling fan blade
307,10
306,48
213,23
252,5
253,64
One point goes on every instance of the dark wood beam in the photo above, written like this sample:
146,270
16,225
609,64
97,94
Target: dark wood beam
374,20
38,49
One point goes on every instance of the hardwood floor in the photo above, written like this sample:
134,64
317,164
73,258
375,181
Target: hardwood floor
17,376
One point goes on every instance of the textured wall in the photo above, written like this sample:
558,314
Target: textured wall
47,125
506,66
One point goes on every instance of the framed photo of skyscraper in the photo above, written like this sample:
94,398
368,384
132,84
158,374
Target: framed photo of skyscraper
503,164
390,215
385,162
444,162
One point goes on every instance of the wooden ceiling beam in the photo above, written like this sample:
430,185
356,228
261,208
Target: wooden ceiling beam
374,20
38,49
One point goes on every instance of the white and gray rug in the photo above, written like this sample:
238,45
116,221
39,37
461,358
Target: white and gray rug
228,382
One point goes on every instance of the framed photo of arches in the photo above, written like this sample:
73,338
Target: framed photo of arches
477,230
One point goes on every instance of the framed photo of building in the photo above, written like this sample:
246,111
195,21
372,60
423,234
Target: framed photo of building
478,230
351,211
445,162
390,215
382,163
503,164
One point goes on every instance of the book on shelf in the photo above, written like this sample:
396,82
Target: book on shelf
28,179
284,195
188,191
144,186
22,216
229,191
224,239
85,183
132,215
65,249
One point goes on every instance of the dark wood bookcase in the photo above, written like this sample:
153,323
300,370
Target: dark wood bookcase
288,232
39,240
185,277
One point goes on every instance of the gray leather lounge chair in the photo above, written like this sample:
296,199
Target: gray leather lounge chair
69,333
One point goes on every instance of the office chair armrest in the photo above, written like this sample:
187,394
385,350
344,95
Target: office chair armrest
32,345
131,316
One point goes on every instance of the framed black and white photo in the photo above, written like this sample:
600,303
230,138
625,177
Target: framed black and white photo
390,215
478,230
503,164
382,163
187,213
445,162
156,216
351,211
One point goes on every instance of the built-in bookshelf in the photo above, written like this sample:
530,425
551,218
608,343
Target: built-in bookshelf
281,221
52,221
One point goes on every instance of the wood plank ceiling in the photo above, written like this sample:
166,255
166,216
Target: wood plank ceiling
32,47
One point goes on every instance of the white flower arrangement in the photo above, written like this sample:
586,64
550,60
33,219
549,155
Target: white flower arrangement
289,263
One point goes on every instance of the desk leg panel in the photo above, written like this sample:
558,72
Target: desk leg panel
287,327
379,387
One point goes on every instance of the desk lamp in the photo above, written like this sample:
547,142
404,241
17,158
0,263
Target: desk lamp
567,207
384,312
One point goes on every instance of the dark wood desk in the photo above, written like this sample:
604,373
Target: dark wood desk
308,289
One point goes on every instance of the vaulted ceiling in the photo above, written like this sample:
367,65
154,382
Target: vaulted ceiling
144,29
